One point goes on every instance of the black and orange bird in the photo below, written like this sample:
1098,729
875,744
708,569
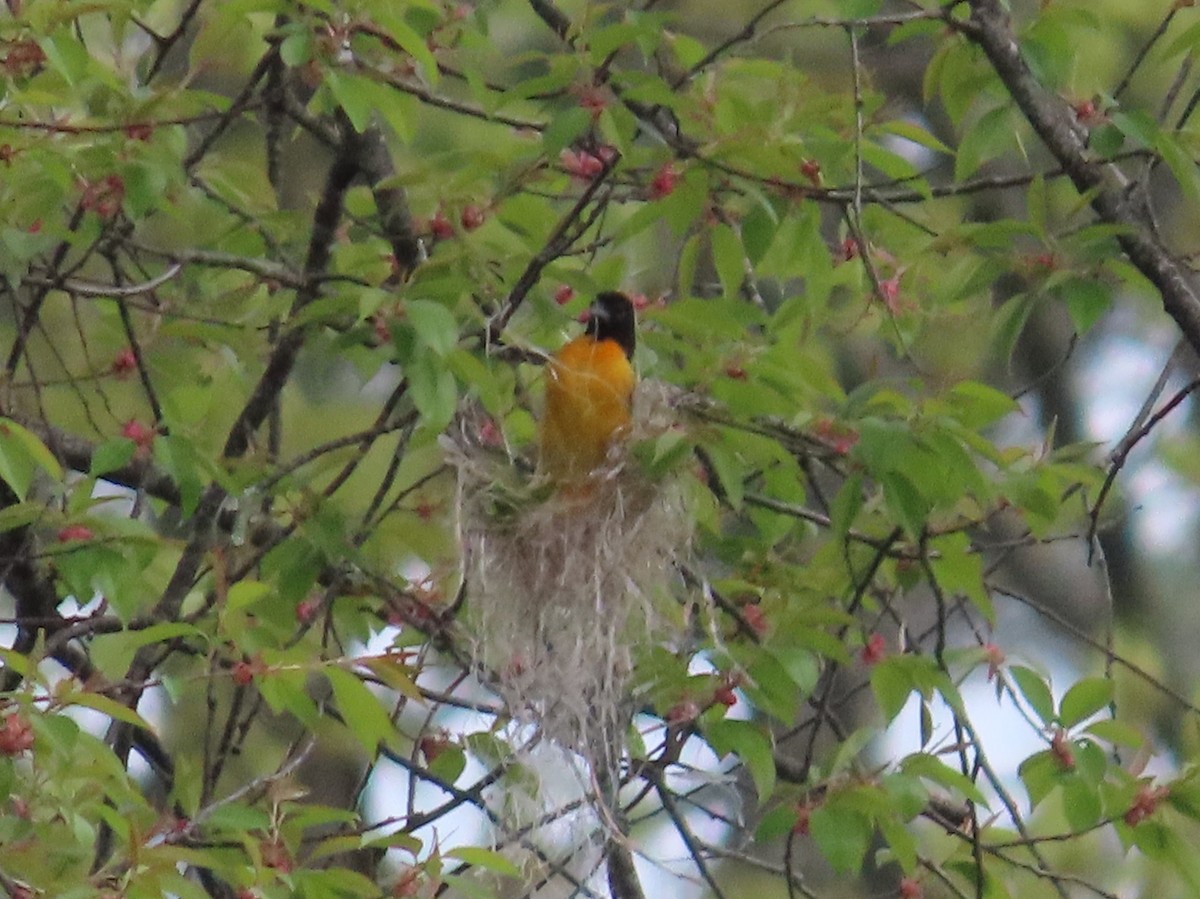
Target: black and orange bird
589,391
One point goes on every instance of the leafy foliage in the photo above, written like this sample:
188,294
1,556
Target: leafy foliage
257,257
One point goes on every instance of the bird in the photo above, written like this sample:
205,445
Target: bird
589,392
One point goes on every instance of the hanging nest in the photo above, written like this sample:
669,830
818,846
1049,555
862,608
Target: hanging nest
565,584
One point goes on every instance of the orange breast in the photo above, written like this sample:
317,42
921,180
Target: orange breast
589,395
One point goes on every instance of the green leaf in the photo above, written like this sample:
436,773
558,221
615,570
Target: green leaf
901,842
688,51
770,686
775,823
729,259
803,666
664,454
1009,324
111,455
1188,39
1081,803
20,515
730,472
293,567
960,571
563,129
485,858
1037,203
913,132
1031,492
1047,47
898,677
894,166
751,744
413,43
1091,761
435,325
850,749
234,817
1036,691
605,40
398,676
479,379
1137,125
908,795
287,691
68,56
433,388
396,840
246,593
1084,699
843,837
17,662
1086,300
986,138
905,502
709,320
994,885
686,203
926,725
187,465
310,814
126,643
106,706
892,688
1106,140
21,454
145,187
296,48
931,768
467,886
979,405
353,93
337,882
846,505
758,230
1040,773
362,712
449,764
1119,733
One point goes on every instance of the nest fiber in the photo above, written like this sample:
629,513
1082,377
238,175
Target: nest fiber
565,585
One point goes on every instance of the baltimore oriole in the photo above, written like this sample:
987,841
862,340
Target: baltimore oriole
589,391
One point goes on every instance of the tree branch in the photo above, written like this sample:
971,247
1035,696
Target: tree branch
1113,196
345,166
375,163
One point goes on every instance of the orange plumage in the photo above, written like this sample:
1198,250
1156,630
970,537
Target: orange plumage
589,392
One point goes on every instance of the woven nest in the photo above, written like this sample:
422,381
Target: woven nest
564,586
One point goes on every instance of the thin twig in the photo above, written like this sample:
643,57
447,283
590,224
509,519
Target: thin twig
1123,449
1107,187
